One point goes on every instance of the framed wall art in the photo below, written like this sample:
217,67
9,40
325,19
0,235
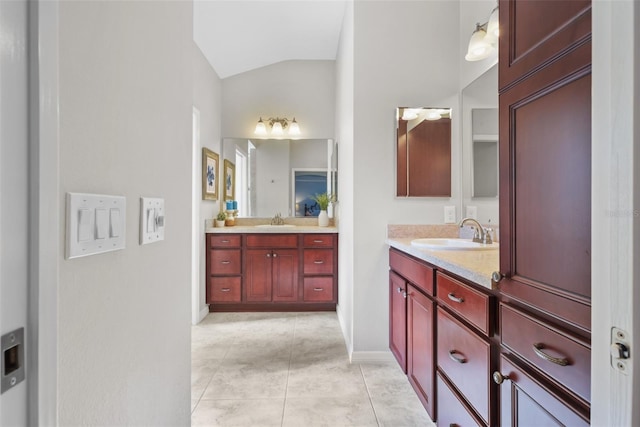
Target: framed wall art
229,180
210,168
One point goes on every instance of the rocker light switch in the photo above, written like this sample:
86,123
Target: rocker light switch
114,222
151,220
102,224
84,225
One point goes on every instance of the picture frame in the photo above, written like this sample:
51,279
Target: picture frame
210,173
229,180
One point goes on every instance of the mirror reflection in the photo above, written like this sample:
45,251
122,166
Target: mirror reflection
480,147
280,175
423,152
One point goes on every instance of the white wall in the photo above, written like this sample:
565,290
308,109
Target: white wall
304,89
409,59
207,89
472,12
125,128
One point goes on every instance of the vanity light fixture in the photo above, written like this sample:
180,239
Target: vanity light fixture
277,125
484,39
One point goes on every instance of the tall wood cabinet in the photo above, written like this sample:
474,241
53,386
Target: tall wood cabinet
545,204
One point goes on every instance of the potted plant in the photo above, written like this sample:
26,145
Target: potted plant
323,201
220,219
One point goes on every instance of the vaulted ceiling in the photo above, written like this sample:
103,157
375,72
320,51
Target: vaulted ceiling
241,35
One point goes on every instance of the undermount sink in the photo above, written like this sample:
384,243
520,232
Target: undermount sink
275,226
453,244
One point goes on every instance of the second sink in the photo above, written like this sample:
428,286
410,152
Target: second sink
452,244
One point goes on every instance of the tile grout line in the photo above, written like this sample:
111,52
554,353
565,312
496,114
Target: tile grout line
286,388
366,386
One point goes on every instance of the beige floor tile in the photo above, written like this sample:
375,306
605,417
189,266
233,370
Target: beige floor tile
330,412
234,380
325,380
238,413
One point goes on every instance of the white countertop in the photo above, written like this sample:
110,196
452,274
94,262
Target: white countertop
275,229
475,266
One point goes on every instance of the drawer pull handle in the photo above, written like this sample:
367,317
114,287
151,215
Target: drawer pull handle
537,348
225,262
318,261
457,359
224,241
317,241
225,290
454,298
498,378
318,289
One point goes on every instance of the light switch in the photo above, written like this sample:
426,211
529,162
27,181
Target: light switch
84,225
151,220
472,212
102,224
114,222
94,224
449,214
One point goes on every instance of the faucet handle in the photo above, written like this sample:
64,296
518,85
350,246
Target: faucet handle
488,232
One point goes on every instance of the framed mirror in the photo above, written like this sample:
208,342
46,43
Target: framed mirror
423,152
266,170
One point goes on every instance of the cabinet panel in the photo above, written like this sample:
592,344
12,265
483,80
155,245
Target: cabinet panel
415,271
464,358
429,159
318,240
451,410
420,347
257,275
225,261
318,289
285,275
527,402
224,240
398,319
462,299
224,289
318,261
272,240
521,332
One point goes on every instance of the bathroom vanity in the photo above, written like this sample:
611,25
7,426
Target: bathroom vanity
272,268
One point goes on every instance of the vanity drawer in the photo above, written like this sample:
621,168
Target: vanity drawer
463,357
224,240
318,289
415,271
272,240
224,289
451,411
318,261
225,262
561,357
463,300
318,240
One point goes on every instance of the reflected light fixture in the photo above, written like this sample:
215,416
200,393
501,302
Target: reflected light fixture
277,125
484,39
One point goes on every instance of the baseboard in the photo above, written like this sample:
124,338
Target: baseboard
345,335
203,313
371,356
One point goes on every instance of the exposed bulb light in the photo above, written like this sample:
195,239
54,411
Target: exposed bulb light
479,47
277,125
433,114
409,114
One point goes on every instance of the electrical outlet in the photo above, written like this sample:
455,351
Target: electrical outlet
472,212
449,214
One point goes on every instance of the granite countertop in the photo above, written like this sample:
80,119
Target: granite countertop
274,229
475,266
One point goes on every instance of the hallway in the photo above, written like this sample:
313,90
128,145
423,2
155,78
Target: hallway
291,369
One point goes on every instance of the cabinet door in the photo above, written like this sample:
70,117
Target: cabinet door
258,275
420,347
285,274
527,402
398,319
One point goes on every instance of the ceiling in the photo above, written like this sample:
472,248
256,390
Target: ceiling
241,35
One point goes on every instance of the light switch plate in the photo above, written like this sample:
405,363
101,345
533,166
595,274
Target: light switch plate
472,212
449,214
89,222
151,220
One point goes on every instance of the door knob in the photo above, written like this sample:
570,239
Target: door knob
496,276
498,378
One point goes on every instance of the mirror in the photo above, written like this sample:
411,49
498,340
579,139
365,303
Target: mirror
480,147
423,152
280,175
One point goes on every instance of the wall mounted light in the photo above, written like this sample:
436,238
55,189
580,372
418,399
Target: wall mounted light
484,39
277,125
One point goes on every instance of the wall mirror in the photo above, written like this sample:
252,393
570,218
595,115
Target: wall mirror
423,152
280,175
480,147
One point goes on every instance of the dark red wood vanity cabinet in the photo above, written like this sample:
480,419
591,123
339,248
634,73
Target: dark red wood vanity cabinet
269,271
398,319
545,205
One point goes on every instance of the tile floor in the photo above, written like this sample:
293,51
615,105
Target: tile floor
291,369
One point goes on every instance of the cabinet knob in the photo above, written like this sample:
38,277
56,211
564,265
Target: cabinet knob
275,255
404,295
399,289
498,378
496,276
269,255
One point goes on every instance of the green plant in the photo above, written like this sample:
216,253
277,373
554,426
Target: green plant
323,200
221,216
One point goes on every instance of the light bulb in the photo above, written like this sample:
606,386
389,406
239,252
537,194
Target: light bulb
260,128
276,129
294,129
478,46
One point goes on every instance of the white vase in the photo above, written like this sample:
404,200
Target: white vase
220,223
323,219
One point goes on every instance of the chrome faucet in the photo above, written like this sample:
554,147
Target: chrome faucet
480,234
277,220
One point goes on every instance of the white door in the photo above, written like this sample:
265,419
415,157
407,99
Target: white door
14,196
